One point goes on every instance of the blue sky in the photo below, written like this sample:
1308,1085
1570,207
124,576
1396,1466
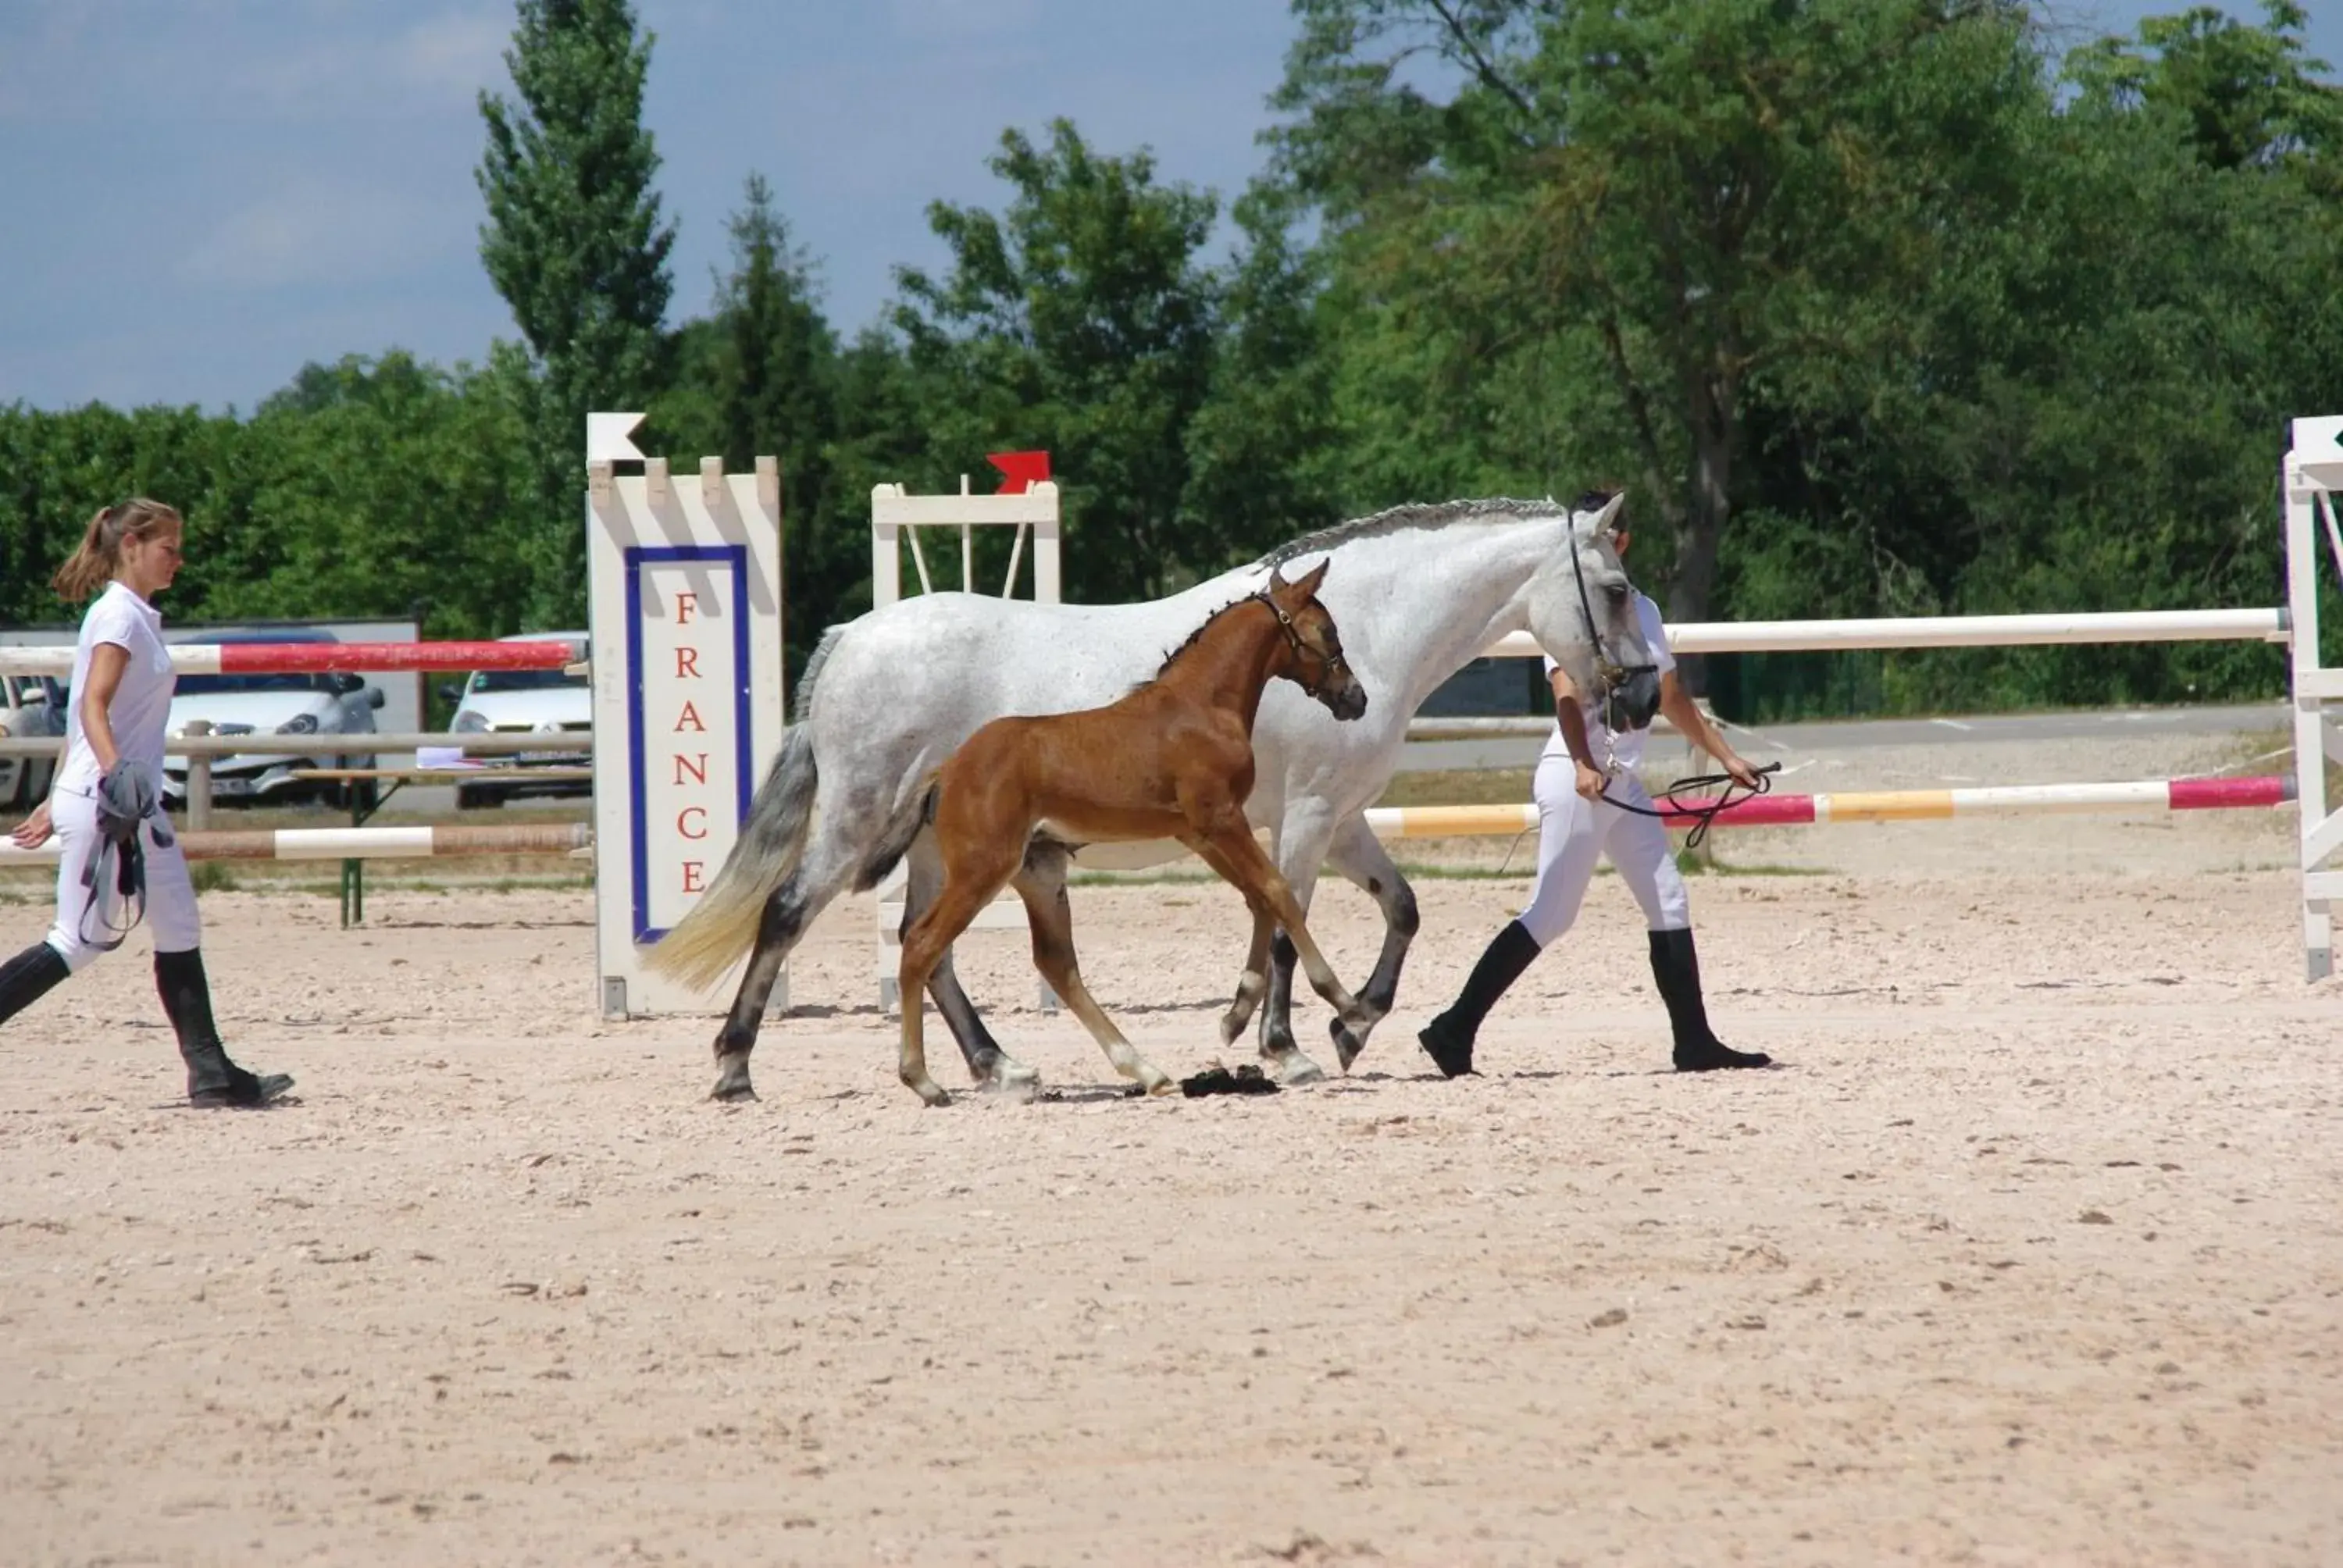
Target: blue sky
204,194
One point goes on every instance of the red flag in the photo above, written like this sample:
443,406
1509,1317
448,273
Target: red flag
1018,470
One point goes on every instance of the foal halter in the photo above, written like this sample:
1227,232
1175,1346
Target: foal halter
1303,653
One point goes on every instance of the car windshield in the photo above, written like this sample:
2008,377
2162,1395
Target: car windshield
521,679
210,685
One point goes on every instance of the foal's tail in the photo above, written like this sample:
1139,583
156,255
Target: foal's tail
722,925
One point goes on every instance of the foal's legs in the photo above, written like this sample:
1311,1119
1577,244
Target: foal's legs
1052,918
1254,982
924,879
973,875
1229,849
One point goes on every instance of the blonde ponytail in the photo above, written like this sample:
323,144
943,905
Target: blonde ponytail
93,565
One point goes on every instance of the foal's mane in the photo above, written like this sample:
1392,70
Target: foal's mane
1194,637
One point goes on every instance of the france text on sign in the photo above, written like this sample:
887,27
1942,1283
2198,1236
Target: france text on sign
689,711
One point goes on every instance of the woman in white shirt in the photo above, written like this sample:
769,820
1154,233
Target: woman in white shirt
1576,826
122,686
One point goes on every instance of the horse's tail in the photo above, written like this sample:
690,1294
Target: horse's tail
723,924
918,809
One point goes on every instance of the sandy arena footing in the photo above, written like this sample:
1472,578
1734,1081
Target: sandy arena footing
2030,1250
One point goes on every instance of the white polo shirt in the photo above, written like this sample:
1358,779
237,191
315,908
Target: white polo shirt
141,708
1628,748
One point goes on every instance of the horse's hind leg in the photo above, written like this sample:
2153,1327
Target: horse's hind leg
1359,857
924,879
804,894
1041,884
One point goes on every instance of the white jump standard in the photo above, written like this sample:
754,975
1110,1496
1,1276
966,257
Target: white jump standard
2313,478
686,600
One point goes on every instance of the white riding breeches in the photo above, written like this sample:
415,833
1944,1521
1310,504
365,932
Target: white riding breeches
170,895
1573,833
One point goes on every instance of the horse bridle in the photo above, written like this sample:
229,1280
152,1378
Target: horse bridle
1328,663
1609,675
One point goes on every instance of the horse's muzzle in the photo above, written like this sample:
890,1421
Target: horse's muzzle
1346,701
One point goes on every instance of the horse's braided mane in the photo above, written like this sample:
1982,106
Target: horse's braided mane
1423,515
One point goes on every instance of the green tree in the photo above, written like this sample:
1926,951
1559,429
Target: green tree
1082,321
378,486
575,243
2247,95
760,376
1633,217
1263,445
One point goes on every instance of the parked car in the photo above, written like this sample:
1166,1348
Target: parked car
545,702
290,705
31,708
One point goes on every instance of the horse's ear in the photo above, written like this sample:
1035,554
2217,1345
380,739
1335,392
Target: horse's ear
1606,520
1276,583
1308,584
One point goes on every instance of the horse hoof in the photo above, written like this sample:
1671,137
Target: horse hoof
1023,1084
931,1093
1232,1026
1349,1039
1297,1068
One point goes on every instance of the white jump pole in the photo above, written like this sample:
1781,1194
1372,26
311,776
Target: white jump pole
1955,631
896,517
428,842
685,586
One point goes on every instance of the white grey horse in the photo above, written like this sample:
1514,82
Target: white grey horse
1418,591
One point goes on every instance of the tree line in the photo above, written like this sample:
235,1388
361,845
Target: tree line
1875,306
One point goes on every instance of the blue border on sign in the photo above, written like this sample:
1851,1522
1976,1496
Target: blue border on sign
635,557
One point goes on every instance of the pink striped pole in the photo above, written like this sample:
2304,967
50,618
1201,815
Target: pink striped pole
320,658
385,658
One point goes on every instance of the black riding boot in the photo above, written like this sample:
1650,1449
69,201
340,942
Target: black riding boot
1676,967
1448,1038
28,977
212,1079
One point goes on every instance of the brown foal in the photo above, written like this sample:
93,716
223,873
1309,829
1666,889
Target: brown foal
1173,760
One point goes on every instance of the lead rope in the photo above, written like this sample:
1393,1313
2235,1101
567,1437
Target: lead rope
1706,811
127,864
